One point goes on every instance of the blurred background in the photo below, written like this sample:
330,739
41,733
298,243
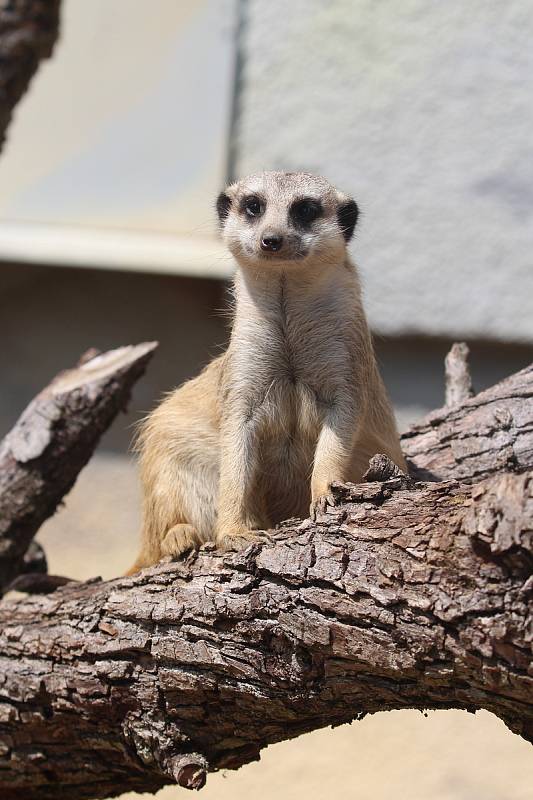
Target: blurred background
423,111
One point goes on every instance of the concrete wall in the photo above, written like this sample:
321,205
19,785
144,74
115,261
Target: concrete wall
423,110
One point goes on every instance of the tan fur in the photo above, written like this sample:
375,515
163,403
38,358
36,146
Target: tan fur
295,403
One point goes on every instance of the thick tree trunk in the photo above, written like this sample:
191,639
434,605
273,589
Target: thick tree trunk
401,595
52,441
28,32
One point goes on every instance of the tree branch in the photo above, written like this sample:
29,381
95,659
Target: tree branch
401,595
52,441
489,433
457,373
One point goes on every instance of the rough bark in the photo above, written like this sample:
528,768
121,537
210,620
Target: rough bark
489,433
28,32
401,595
52,441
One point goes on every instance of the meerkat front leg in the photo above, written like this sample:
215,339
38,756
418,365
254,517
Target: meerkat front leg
238,516
332,454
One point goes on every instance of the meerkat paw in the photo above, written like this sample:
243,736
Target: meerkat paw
180,539
320,504
240,540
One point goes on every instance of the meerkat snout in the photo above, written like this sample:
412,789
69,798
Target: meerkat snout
271,242
286,220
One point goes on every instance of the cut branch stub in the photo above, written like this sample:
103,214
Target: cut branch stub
189,771
52,441
382,468
457,372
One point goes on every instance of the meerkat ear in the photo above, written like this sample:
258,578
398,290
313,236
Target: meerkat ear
347,214
223,206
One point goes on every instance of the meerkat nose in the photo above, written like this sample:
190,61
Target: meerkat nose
271,243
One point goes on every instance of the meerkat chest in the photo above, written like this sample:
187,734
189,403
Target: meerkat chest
293,361
312,344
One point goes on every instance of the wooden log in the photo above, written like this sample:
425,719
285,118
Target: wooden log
52,441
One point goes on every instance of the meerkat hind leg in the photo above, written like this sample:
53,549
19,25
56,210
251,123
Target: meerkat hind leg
179,539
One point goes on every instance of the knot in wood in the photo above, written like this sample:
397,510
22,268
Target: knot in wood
381,468
499,522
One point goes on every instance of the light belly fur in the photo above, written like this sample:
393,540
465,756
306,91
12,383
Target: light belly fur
289,429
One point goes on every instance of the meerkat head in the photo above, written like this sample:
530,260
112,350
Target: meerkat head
286,219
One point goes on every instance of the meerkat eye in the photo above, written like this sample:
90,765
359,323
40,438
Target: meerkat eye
306,211
253,207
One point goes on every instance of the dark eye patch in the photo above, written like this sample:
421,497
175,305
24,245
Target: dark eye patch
347,215
306,211
223,207
252,206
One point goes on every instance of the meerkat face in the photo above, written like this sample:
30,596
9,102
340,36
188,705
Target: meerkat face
286,219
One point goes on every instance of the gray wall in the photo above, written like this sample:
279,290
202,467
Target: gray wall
424,111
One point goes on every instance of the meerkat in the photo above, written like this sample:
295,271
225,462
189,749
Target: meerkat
296,401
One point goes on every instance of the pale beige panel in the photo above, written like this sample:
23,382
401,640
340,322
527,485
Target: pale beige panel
125,128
